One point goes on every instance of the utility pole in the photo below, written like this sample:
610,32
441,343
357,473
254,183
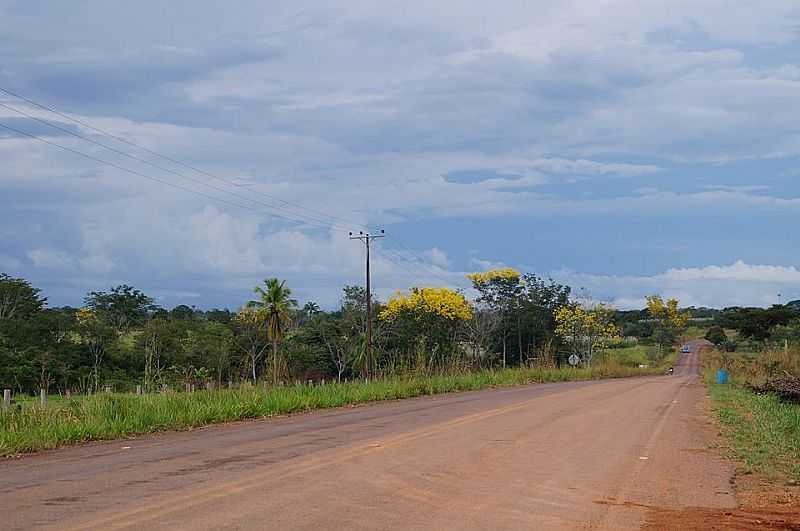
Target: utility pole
368,361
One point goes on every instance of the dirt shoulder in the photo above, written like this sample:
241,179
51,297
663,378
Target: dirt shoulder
762,505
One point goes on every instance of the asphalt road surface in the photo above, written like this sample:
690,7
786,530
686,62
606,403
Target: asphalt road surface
599,455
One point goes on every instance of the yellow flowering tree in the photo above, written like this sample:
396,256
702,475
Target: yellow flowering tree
432,317
585,330
669,320
505,274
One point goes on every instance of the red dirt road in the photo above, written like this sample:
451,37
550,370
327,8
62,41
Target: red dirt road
599,455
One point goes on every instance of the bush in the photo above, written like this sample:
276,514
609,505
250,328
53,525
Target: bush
716,335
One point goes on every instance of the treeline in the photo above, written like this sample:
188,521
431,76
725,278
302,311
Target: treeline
757,328
121,338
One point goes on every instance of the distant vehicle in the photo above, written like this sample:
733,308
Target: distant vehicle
685,349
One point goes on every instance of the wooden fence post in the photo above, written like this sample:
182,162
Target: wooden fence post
68,394
6,399
42,397
138,389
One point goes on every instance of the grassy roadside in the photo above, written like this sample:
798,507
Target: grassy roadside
763,432
30,428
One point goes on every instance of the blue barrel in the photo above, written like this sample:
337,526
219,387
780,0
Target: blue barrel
722,376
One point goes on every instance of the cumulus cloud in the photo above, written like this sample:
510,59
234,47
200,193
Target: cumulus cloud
719,286
366,113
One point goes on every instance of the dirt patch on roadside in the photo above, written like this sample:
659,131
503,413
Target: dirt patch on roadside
718,519
762,505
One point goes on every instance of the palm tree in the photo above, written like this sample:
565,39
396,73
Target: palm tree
274,300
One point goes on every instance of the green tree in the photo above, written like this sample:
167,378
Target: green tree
220,316
210,345
716,335
539,300
250,337
182,312
276,302
159,341
124,307
757,323
97,336
18,299
499,290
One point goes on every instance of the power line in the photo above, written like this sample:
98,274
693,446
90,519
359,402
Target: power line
122,168
422,264
418,262
319,222
322,219
397,258
166,157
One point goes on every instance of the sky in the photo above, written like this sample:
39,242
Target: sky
624,147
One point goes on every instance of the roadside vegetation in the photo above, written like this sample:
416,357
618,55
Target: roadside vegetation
763,431
121,365
30,427
759,410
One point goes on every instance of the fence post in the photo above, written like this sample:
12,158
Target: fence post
6,399
42,397
68,394
138,389
230,384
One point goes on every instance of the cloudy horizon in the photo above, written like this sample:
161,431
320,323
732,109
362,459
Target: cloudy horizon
625,147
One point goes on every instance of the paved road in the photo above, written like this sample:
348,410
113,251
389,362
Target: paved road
572,455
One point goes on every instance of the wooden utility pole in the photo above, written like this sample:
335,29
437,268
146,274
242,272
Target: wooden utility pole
368,361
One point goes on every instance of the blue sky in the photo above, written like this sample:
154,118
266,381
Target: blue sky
627,147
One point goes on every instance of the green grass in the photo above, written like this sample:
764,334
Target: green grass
631,356
763,432
695,332
28,427
636,355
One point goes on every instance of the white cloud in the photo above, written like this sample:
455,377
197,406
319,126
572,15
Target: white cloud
439,257
49,259
360,110
738,284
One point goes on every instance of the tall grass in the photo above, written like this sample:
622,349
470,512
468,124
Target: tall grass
29,427
755,367
763,432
